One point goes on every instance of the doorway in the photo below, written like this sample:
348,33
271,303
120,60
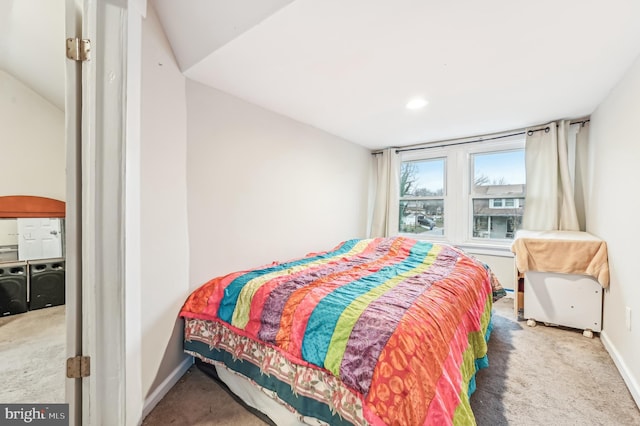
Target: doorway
33,147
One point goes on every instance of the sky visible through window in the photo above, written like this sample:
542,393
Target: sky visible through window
506,167
430,174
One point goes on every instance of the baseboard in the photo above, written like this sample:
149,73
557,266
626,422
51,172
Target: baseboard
628,378
165,386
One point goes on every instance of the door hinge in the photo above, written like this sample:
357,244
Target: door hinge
78,49
78,367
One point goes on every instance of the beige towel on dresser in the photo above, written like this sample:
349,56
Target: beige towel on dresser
568,252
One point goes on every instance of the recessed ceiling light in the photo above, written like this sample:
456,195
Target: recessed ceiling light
416,103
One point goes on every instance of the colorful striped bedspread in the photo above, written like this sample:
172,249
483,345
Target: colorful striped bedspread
402,323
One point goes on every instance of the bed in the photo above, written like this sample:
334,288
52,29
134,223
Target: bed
374,331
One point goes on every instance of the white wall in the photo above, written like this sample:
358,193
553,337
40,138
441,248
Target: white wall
164,248
31,142
8,232
503,267
613,207
260,187
263,187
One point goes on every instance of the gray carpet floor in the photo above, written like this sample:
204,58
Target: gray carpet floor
536,376
548,376
32,356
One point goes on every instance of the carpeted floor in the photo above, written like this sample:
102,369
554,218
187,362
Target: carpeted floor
548,376
537,376
32,356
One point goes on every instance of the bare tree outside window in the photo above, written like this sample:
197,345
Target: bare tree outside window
477,189
408,177
421,192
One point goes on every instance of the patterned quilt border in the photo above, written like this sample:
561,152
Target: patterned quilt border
306,391
309,391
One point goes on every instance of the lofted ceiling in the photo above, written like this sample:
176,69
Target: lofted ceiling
32,46
349,66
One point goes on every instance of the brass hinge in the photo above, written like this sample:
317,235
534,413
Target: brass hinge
78,367
78,49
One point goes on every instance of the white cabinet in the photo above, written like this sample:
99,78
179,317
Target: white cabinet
561,276
568,300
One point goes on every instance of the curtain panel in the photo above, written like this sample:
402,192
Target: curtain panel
550,153
386,168
581,173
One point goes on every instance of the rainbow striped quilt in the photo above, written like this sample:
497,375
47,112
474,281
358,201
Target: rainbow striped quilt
401,323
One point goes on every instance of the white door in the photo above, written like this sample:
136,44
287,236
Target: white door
39,238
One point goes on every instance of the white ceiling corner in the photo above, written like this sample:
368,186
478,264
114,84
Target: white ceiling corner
195,28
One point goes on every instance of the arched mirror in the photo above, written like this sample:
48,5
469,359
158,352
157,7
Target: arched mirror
31,228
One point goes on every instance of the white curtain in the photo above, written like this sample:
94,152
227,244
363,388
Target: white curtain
581,172
549,203
386,194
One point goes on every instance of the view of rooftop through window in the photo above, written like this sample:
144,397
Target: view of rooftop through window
498,193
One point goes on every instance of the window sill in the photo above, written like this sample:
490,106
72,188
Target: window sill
472,247
501,250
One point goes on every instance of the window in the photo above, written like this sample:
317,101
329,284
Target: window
497,193
504,203
422,189
476,189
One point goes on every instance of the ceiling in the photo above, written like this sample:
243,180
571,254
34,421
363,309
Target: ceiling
349,66
32,46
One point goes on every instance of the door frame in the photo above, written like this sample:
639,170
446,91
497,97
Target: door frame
73,214
102,133
103,208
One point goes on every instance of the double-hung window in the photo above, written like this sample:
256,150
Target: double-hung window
463,193
422,191
497,193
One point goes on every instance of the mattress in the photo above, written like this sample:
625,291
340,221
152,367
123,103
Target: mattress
255,398
377,331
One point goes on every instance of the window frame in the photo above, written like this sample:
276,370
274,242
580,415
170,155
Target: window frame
415,156
425,197
508,146
458,196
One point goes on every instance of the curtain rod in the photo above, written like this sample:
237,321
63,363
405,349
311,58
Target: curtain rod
529,132
472,141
